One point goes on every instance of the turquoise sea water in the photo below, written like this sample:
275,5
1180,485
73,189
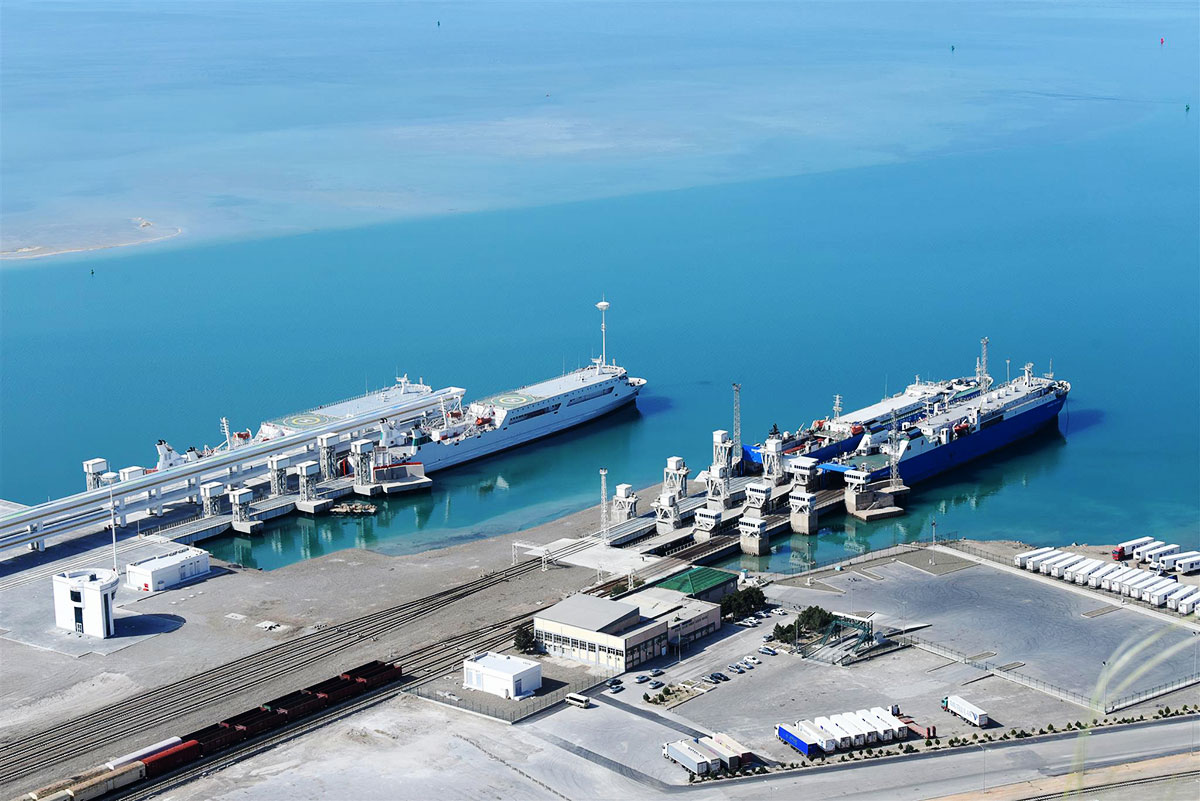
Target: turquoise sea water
807,199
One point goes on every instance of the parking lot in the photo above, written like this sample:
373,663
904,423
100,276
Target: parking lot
982,609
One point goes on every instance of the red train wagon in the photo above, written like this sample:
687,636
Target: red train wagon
254,721
216,738
373,674
174,757
336,689
295,705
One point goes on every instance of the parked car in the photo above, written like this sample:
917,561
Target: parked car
763,614
614,682
745,665
641,679
735,669
753,660
779,611
721,677
656,672
713,678
654,685
768,650
614,689
768,637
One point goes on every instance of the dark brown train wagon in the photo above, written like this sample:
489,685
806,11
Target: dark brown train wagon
295,705
255,721
173,757
216,738
373,674
336,689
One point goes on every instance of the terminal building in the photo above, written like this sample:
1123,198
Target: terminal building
687,619
611,634
83,601
620,635
502,674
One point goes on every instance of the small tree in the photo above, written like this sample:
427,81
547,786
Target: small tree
524,640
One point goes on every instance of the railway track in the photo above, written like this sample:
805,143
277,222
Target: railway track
94,730
446,655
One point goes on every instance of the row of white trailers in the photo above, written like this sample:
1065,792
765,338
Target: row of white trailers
824,735
706,755
1115,577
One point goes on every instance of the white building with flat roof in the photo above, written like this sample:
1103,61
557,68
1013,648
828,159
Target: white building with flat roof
83,601
599,631
166,570
504,675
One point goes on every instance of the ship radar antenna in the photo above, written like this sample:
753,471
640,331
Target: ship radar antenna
1050,374
837,406
603,307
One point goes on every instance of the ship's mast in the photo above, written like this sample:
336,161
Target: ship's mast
603,307
737,429
985,379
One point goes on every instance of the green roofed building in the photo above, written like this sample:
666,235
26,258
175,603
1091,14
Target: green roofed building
703,583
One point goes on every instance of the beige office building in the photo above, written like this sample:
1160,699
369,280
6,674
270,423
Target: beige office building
611,634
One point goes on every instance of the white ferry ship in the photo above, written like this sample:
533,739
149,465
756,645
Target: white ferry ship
450,434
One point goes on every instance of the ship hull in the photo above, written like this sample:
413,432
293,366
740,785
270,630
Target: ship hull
975,445
436,456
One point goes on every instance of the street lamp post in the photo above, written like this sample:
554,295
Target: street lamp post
110,478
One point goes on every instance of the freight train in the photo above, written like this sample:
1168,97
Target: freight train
176,752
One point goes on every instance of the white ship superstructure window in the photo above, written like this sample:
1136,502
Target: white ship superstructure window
516,418
599,393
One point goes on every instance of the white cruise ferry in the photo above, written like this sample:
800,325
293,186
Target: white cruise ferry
452,434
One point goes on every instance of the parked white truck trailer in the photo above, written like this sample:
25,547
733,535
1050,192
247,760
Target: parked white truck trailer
1188,604
1154,555
1126,548
1167,561
1048,565
1021,559
1034,563
1187,564
1139,553
1161,597
1155,586
1060,570
899,727
1181,595
1133,586
1113,582
1094,579
965,710
843,737
1078,573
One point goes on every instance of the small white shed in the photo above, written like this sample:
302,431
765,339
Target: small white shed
502,674
166,570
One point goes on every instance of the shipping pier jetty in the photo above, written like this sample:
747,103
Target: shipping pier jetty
248,482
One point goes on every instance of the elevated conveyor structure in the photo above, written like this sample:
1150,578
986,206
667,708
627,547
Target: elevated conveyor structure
82,512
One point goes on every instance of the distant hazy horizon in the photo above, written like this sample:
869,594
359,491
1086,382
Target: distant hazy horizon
129,121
